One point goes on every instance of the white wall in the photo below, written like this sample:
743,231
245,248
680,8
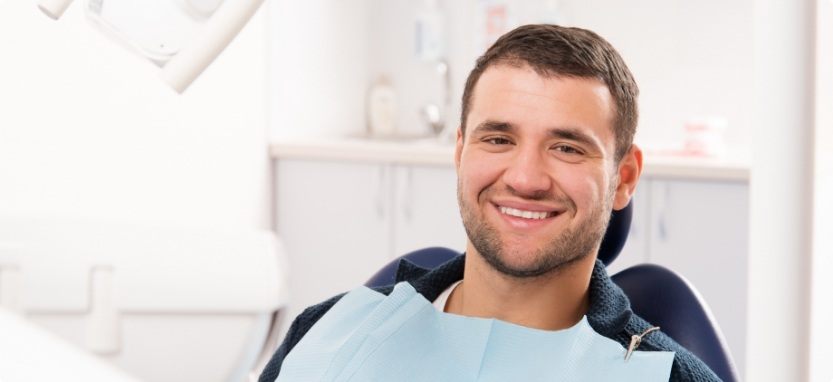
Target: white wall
821,308
781,193
318,68
88,130
690,59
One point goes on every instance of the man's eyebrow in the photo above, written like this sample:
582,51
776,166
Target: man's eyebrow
493,126
574,134
569,133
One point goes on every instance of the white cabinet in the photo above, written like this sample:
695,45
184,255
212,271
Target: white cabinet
700,230
425,211
342,221
332,219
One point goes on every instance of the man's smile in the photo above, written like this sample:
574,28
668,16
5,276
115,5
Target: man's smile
526,216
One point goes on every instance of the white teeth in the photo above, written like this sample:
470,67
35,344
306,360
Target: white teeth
523,214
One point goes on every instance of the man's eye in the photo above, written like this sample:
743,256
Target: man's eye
568,149
497,141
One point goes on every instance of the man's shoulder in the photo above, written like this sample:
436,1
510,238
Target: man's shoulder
610,314
299,327
429,283
312,314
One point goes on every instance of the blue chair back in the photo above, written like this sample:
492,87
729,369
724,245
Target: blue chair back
656,294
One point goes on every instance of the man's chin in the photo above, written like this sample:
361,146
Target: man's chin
527,264
518,265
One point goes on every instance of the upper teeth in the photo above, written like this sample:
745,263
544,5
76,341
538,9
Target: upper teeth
523,214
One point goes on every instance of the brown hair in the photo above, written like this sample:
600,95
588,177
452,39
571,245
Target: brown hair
553,50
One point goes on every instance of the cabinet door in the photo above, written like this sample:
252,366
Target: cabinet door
425,209
700,229
333,218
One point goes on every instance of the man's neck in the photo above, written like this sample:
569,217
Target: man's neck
550,302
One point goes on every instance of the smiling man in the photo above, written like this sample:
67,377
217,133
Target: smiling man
544,154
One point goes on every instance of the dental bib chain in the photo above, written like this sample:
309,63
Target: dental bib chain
636,340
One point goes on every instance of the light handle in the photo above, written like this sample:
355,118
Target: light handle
184,67
54,8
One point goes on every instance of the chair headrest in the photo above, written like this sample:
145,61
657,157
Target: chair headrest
616,234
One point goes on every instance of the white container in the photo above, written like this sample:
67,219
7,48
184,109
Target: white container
381,109
493,19
705,136
161,304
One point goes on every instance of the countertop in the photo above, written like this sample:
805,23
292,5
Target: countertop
657,163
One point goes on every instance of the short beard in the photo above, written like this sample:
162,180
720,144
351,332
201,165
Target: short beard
568,247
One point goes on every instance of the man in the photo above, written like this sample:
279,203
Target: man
544,153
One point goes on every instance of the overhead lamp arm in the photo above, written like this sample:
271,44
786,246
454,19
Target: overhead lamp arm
54,8
186,65
219,30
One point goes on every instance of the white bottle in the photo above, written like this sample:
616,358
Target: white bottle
381,108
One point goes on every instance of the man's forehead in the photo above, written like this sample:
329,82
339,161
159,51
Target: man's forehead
517,68
580,101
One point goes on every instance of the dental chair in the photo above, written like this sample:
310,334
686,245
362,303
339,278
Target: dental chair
659,295
100,300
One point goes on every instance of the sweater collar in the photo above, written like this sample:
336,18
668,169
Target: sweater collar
608,313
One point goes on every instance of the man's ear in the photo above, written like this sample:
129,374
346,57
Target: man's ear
629,170
458,148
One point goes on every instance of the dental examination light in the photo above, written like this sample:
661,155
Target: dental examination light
182,37
54,8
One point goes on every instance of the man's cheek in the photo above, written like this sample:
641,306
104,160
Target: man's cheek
585,192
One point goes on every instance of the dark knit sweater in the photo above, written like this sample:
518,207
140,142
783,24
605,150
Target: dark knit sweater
609,315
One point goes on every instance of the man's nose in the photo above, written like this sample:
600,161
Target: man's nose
527,174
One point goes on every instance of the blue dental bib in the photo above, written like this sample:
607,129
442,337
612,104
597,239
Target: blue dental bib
368,336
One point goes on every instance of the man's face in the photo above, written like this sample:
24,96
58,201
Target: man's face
536,172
